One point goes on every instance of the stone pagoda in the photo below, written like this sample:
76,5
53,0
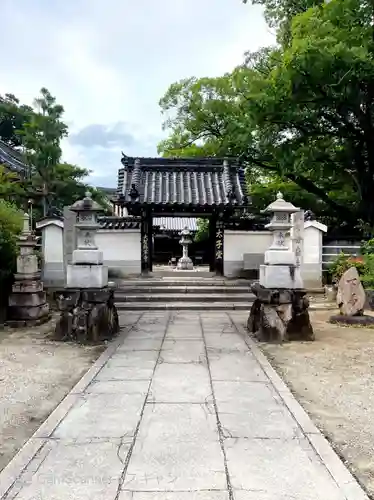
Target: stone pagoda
27,303
280,311
88,313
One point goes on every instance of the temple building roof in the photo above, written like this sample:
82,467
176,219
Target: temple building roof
181,182
11,158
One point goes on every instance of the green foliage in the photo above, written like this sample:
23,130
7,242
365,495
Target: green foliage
10,186
10,226
367,247
50,183
13,117
342,263
202,233
301,114
368,276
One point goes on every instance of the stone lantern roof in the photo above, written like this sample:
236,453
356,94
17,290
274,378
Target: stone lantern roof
87,204
281,205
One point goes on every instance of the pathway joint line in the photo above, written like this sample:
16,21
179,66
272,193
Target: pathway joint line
219,425
19,463
131,448
346,482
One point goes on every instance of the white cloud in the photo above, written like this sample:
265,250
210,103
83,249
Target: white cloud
110,62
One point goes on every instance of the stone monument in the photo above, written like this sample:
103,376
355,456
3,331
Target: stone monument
351,300
185,263
27,303
88,313
280,310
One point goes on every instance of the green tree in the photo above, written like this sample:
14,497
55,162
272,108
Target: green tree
279,14
301,114
13,118
10,227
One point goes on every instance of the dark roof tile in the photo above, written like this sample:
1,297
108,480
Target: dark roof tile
175,181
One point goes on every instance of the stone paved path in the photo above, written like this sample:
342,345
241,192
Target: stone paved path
182,410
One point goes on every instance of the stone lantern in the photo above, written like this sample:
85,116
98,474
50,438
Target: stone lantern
280,310
87,269
88,312
280,269
185,262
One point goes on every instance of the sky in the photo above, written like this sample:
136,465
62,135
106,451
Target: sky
108,62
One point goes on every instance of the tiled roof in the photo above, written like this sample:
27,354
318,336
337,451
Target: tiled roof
191,182
166,223
119,222
11,158
175,223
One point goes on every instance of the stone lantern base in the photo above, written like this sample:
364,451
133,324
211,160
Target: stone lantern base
87,315
185,263
27,304
280,315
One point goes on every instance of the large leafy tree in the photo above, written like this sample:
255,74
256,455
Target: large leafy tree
301,114
13,117
38,132
279,14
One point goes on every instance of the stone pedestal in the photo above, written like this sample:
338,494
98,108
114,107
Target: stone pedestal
280,315
27,303
87,316
86,276
280,276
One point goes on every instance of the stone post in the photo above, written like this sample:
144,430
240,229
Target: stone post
27,302
280,311
88,313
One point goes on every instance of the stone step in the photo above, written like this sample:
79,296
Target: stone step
124,284
131,290
183,306
184,297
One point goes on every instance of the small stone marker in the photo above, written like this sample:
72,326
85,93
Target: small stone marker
351,294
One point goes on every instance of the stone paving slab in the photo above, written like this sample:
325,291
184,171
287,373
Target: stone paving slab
182,406
181,495
180,383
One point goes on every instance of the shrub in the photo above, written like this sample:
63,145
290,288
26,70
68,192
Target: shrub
367,247
342,263
10,226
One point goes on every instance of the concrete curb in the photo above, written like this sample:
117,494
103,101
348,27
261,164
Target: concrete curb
20,461
339,472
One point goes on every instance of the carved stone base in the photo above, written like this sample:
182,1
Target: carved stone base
344,319
185,263
27,304
87,315
280,315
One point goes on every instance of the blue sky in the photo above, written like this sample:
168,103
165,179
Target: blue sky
109,62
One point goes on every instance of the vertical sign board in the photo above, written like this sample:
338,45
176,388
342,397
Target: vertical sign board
70,219
297,236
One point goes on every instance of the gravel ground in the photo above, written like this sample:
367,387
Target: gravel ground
333,378
35,375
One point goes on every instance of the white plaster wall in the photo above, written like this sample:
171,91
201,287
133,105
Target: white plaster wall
121,249
244,251
237,243
52,240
